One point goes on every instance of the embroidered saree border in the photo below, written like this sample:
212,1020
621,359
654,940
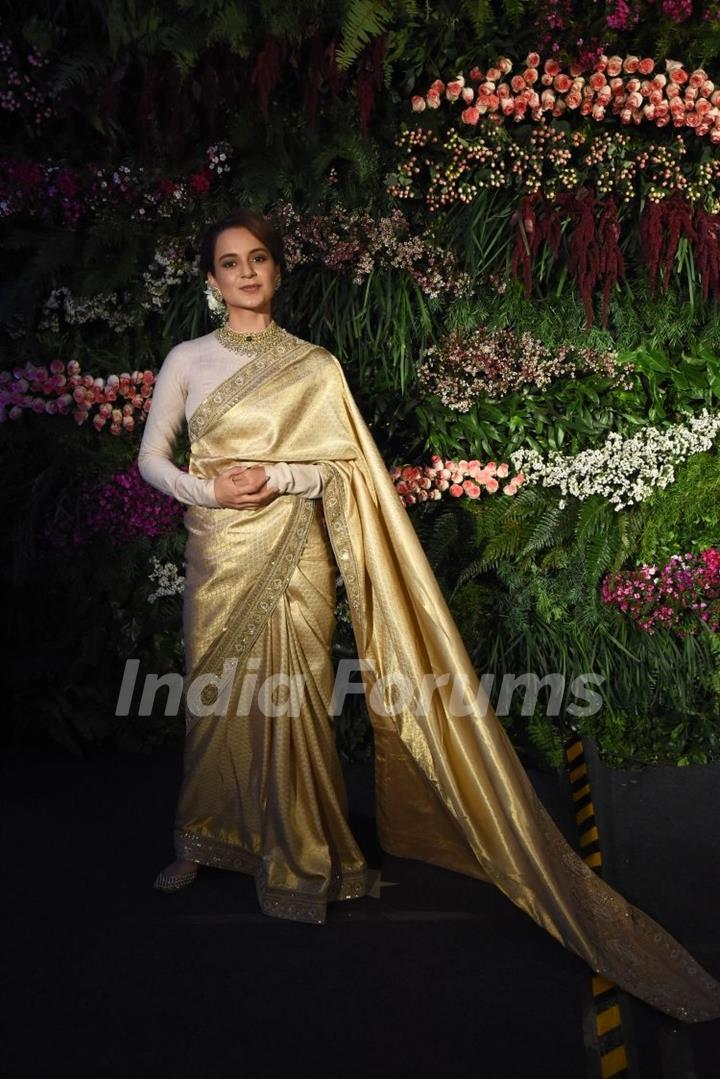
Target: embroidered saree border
248,378
280,902
340,536
248,621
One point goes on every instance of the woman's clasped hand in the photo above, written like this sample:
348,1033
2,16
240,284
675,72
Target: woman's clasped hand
243,487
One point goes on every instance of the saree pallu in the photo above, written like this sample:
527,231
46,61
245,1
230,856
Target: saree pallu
265,793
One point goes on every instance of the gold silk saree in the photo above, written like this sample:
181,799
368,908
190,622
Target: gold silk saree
264,793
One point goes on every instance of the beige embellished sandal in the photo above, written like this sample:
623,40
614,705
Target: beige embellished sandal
169,882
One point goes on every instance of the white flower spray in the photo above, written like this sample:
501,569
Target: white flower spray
623,470
169,581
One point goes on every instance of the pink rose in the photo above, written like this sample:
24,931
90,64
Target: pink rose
502,470
418,103
471,489
456,490
614,66
492,486
646,65
470,115
551,67
562,83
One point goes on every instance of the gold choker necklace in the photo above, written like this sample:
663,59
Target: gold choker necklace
256,343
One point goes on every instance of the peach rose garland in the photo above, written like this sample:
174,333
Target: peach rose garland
627,87
119,401
422,483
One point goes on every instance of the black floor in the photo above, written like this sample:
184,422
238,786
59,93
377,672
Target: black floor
107,977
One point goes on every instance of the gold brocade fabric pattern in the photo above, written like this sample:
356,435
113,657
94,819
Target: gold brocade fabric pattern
265,794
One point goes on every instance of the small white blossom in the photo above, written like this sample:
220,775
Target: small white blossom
169,581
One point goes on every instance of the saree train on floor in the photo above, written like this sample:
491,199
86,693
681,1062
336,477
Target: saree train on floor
265,794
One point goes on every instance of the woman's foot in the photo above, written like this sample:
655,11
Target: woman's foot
176,875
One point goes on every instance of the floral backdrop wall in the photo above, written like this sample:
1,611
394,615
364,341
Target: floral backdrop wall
503,218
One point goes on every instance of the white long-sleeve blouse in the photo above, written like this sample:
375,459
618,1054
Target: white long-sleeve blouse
190,371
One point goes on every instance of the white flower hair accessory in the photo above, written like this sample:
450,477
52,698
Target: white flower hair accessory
214,298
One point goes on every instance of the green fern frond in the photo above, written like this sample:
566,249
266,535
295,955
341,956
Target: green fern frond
443,535
364,20
503,545
83,70
480,14
514,10
547,529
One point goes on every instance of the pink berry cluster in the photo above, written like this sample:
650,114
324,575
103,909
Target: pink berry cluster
674,597
58,389
421,483
626,87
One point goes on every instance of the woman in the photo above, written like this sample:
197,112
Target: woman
284,474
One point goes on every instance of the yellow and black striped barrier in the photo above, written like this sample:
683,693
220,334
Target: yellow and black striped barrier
609,1037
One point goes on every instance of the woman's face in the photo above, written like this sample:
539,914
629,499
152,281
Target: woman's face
242,260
